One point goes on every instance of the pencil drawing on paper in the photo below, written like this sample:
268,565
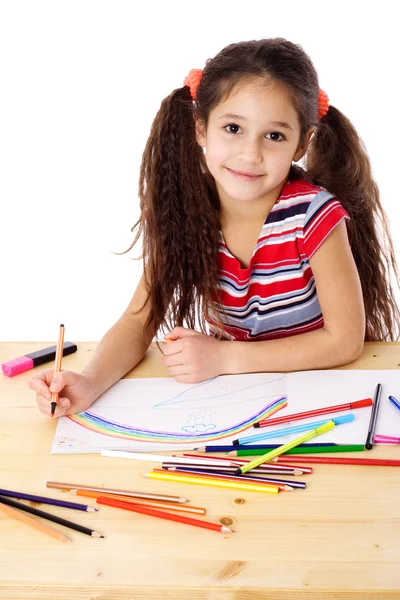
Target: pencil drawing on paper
178,413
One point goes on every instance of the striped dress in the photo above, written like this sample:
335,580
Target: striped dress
276,295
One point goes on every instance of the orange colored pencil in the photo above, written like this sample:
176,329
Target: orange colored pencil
164,515
20,516
57,367
151,503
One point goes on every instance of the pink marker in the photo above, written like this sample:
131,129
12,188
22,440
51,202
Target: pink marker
386,439
28,361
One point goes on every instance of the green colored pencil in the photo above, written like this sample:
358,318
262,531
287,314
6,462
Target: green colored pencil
305,450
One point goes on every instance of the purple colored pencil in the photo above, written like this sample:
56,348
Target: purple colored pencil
46,500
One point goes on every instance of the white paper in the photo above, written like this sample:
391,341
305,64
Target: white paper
204,412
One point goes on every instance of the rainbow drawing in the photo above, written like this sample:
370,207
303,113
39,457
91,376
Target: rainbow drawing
113,429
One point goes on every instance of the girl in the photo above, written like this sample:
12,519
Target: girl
238,238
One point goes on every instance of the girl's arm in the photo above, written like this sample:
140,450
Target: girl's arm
341,339
122,347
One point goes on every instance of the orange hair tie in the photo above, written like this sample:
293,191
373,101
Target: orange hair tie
193,80
323,104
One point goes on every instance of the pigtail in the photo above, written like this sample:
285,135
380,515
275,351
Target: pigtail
179,218
337,160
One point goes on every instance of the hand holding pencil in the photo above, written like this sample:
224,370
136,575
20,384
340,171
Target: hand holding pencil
61,392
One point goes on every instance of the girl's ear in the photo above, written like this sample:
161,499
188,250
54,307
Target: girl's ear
302,148
201,135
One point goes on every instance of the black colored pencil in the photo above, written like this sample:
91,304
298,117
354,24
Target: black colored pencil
50,517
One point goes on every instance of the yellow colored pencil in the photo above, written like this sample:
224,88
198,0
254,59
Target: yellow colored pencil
250,487
285,447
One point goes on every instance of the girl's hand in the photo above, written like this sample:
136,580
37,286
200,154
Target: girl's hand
76,392
192,356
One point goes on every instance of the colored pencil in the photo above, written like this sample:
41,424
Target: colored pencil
250,487
174,506
57,366
50,517
313,413
386,439
229,469
395,402
253,446
46,500
150,457
315,450
374,417
13,513
296,429
281,483
336,460
164,515
147,496
274,453
299,470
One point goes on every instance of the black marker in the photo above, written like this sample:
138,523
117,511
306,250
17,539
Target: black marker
374,416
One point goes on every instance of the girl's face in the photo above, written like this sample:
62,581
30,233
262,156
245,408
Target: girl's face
250,143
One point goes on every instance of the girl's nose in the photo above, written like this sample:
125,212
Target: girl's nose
250,152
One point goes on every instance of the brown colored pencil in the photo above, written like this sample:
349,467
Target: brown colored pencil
57,367
146,495
151,503
20,516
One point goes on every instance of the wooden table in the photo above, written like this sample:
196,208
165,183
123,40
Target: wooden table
339,538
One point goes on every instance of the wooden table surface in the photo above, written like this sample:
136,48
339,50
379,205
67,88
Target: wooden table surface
339,538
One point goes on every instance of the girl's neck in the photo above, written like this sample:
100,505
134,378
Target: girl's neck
237,211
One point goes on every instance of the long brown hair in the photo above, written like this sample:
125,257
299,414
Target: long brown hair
179,222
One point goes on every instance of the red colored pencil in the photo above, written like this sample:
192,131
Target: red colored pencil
315,412
382,462
163,515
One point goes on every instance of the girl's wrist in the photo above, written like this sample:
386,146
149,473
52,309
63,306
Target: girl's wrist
227,356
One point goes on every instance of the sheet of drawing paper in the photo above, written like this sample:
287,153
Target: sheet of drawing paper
163,414
314,389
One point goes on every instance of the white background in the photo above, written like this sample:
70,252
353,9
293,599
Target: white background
81,82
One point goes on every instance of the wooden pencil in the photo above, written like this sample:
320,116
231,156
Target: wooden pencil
146,495
174,506
272,465
283,484
46,500
50,517
164,515
229,469
57,367
13,513
250,487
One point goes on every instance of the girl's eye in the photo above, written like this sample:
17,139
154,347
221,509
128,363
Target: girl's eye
231,125
276,136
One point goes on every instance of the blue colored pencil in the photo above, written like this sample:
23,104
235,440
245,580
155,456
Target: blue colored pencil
306,427
46,500
395,402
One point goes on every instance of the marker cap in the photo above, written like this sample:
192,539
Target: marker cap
17,365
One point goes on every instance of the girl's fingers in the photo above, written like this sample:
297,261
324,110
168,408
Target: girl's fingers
44,405
38,386
178,370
